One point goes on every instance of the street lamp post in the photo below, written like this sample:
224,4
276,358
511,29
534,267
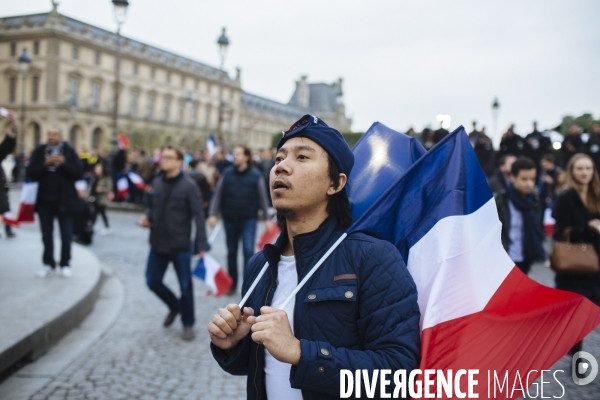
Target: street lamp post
24,64
495,109
120,14
223,43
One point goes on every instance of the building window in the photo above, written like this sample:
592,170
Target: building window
134,103
182,81
13,49
166,108
168,77
196,84
95,100
152,73
97,58
207,116
150,111
194,113
135,68
35,87
75,53
37,135
73,88
36,47
12,87
181,110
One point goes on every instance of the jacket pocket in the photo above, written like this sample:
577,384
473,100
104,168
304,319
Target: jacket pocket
331,293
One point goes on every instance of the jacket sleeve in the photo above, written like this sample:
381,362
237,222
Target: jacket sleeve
36,169
7,146
388,324
195,207
238,362
215,204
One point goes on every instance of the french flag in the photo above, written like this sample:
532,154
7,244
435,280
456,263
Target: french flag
211,146
478,310
10,219
27,203
137,180
122,186
210,271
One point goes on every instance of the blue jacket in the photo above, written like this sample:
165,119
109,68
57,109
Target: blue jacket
358,311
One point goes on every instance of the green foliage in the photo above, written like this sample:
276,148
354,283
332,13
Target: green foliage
585,121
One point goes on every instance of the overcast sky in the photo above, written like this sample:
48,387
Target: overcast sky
403,62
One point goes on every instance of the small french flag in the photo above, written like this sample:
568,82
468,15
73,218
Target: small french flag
122,187
27,203
210,271
9,219
211,146
137,180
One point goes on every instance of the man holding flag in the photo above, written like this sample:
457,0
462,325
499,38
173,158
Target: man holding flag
358,311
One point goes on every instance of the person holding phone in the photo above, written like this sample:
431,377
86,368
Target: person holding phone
56,167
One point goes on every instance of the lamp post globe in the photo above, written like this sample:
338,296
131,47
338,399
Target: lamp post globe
120,10
24,61
223,43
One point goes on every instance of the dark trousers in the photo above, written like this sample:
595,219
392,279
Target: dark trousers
155,272
524,266
48,211
234,230
98,209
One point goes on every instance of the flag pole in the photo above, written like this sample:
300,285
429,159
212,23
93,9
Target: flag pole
213,234
251,289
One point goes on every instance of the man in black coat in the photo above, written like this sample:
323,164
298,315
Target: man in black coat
572,144
240,193
536,145
592,146
511,143
56,167
173,203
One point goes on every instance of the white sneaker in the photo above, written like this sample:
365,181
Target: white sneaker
66,272
45,272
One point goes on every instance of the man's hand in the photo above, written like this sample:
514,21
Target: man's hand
49,161
12,119
201,253
60,159
272,329
548,179
145,222
212,221
228,326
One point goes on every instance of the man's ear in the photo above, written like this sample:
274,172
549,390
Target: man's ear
343,180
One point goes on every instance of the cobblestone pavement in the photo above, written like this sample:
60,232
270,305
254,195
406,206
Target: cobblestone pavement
139,359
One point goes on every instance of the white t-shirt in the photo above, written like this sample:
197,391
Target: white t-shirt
277,374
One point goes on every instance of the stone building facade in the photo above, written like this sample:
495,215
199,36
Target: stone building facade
164,98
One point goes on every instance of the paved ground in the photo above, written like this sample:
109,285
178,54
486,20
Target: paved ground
139,359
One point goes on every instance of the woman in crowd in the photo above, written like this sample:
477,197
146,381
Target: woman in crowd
99,188
578,208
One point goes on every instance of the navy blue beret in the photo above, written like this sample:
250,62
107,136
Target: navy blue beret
328,138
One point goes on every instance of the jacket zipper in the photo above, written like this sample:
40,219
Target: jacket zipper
258,347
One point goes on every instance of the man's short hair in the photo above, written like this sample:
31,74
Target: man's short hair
176,150
549,157
246,150
522,163
503,159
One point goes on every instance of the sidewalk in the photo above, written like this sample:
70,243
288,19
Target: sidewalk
36,313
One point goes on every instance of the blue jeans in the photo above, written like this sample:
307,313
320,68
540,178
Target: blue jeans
155,272
233,231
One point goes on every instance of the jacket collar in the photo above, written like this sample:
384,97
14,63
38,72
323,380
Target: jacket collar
306,244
